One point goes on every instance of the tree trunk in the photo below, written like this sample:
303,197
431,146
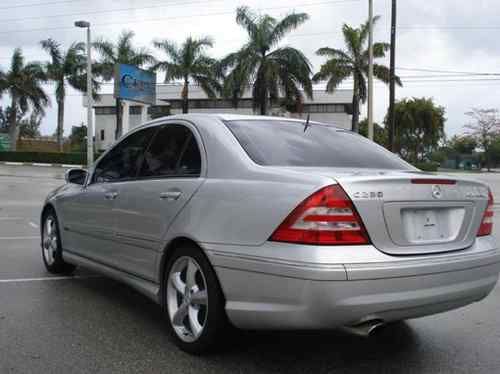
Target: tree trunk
13,131
263,98
60,123
119,119
185,95
355,113
263,102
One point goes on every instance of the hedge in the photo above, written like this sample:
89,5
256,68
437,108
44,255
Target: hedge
427,166
45,157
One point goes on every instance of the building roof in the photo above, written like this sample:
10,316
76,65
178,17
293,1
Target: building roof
169,92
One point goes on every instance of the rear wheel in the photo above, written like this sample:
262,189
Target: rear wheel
193,301
51,246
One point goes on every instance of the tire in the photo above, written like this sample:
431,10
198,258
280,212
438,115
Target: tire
51,246
193,302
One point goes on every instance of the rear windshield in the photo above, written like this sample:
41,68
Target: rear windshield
291,143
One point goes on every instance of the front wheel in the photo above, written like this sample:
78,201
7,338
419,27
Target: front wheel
194,302
51,246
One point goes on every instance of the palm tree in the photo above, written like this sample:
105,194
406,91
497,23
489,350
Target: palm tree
262,66
65,67
189,61
353,62
123,52
23,82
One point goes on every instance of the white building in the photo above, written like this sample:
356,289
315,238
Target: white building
330,108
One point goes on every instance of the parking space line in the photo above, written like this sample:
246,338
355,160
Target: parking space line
42,279
33,224
19,237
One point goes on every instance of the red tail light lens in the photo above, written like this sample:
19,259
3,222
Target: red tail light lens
327,217
487,221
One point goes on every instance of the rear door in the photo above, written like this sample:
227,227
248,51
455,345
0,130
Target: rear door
171,172
413,213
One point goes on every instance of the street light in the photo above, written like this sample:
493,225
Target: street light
370,70
90,130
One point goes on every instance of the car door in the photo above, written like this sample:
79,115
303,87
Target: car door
170,174
92,216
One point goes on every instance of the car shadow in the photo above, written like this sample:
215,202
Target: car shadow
270,351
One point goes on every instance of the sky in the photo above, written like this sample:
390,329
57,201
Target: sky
437,41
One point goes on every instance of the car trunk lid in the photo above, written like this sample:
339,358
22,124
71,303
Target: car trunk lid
414,212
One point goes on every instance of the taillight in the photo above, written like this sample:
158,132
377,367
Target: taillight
327,217
487,221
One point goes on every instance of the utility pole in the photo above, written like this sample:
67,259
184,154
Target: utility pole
392,81
90,127
370,71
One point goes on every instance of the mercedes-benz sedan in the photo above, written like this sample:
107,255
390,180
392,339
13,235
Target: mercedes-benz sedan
272,223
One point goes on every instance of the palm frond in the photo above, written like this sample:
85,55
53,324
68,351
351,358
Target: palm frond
246,18
287,24
53,48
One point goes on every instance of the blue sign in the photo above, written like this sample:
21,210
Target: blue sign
132,83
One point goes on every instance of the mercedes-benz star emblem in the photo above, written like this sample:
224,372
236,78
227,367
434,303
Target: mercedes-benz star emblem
436,192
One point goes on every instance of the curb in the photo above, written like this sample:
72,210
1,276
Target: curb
41,164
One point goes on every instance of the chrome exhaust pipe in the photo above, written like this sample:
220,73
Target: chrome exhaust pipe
364,329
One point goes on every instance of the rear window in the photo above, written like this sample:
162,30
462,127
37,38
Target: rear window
291,143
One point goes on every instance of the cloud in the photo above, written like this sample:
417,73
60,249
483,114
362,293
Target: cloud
420,44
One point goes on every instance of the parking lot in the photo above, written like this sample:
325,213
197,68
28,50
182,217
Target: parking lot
89,323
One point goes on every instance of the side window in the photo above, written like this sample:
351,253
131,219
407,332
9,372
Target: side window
125,159
172,152
190,161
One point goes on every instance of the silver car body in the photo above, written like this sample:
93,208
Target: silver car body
232,209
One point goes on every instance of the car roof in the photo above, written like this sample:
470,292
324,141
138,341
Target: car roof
240,117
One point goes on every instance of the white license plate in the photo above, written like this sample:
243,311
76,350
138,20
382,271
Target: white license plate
431,225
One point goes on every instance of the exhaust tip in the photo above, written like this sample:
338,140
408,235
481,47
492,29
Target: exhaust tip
365,329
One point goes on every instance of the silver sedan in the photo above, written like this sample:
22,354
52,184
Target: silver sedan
272,223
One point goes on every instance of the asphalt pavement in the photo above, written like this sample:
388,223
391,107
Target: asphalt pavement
91,324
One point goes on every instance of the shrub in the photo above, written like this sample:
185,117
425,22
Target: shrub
427,166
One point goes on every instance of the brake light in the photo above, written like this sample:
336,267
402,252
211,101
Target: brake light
433,181
487,221
327,217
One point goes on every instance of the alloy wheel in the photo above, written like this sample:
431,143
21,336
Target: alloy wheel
187,299
49,240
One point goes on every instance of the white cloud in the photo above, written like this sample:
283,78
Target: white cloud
424,47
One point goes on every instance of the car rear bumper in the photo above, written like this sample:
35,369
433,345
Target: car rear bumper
280,286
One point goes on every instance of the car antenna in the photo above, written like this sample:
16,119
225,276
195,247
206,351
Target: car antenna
307,125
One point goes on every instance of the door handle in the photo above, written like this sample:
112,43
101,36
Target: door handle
111,195
170,195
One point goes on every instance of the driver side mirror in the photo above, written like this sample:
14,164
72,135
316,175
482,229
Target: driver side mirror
76,176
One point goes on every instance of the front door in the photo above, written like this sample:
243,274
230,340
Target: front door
94,218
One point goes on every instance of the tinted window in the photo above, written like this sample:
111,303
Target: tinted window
125,159
173,152
289,143
190,161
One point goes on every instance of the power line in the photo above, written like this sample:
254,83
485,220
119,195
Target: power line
107,11
175,17
432,27
446,71
38,4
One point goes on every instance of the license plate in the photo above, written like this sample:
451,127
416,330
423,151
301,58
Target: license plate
430,225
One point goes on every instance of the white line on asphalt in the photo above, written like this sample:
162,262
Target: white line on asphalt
40,164
13,163
33,224
71,166
19,280
19,237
